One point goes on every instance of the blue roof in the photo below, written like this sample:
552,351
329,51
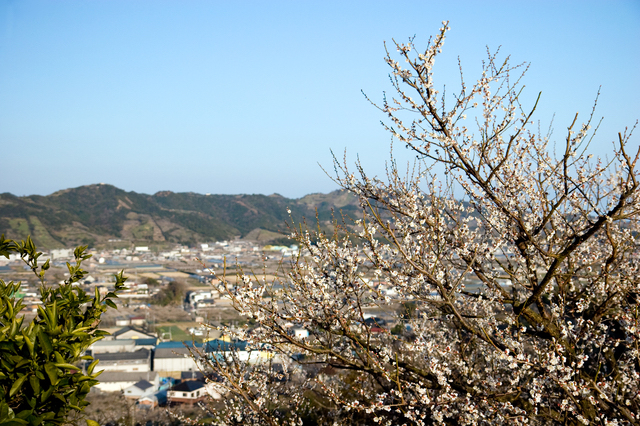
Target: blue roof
218,345
145,342
175,345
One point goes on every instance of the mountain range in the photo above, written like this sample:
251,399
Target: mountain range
99,214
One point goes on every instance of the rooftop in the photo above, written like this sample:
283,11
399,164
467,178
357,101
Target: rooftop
188,386
118,356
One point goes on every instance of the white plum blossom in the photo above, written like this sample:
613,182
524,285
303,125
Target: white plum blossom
507,263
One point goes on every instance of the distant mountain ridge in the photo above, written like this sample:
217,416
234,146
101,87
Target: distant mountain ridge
95,214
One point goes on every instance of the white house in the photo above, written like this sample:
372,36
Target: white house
174,357
188,392
139,389
112,346
139,360
122,345
131,333
194,297
223,348
116,381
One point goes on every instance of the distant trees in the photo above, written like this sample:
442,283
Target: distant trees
150,281
171,294
520,257
40,382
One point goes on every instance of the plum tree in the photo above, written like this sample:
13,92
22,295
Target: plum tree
520,257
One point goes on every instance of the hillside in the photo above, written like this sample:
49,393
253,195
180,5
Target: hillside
96,214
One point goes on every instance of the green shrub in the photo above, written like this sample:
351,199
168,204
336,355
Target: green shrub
40,380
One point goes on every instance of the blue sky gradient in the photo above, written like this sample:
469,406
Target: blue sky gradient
250,97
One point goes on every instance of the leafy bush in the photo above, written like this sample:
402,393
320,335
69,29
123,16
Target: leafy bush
40,382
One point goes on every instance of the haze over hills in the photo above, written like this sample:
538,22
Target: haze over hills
96,214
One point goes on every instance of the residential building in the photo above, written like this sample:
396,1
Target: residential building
139,360
153,400
188,392
122,345
139,389
116,381
172,358
131,333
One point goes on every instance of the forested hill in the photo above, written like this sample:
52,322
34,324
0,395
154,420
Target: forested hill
95,214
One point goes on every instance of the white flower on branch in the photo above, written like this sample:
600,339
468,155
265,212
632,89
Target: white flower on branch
502,291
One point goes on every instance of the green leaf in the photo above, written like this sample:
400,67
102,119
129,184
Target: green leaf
92,366
24,414
67,366
46,394
32,403
5,411
14,422
14,327
52,311
22,363
29,342
45,342
92,423
10,308
35,384
43,314
52,372
17,385
110,304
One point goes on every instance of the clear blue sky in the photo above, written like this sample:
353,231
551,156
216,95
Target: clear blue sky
248,97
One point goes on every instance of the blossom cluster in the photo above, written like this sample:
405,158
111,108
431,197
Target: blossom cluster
511,271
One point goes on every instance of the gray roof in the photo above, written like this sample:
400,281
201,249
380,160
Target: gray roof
143,384
123,356
190,375
126,329
121,376
173,345
174,349
177,350
171,353
125,342
122,342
